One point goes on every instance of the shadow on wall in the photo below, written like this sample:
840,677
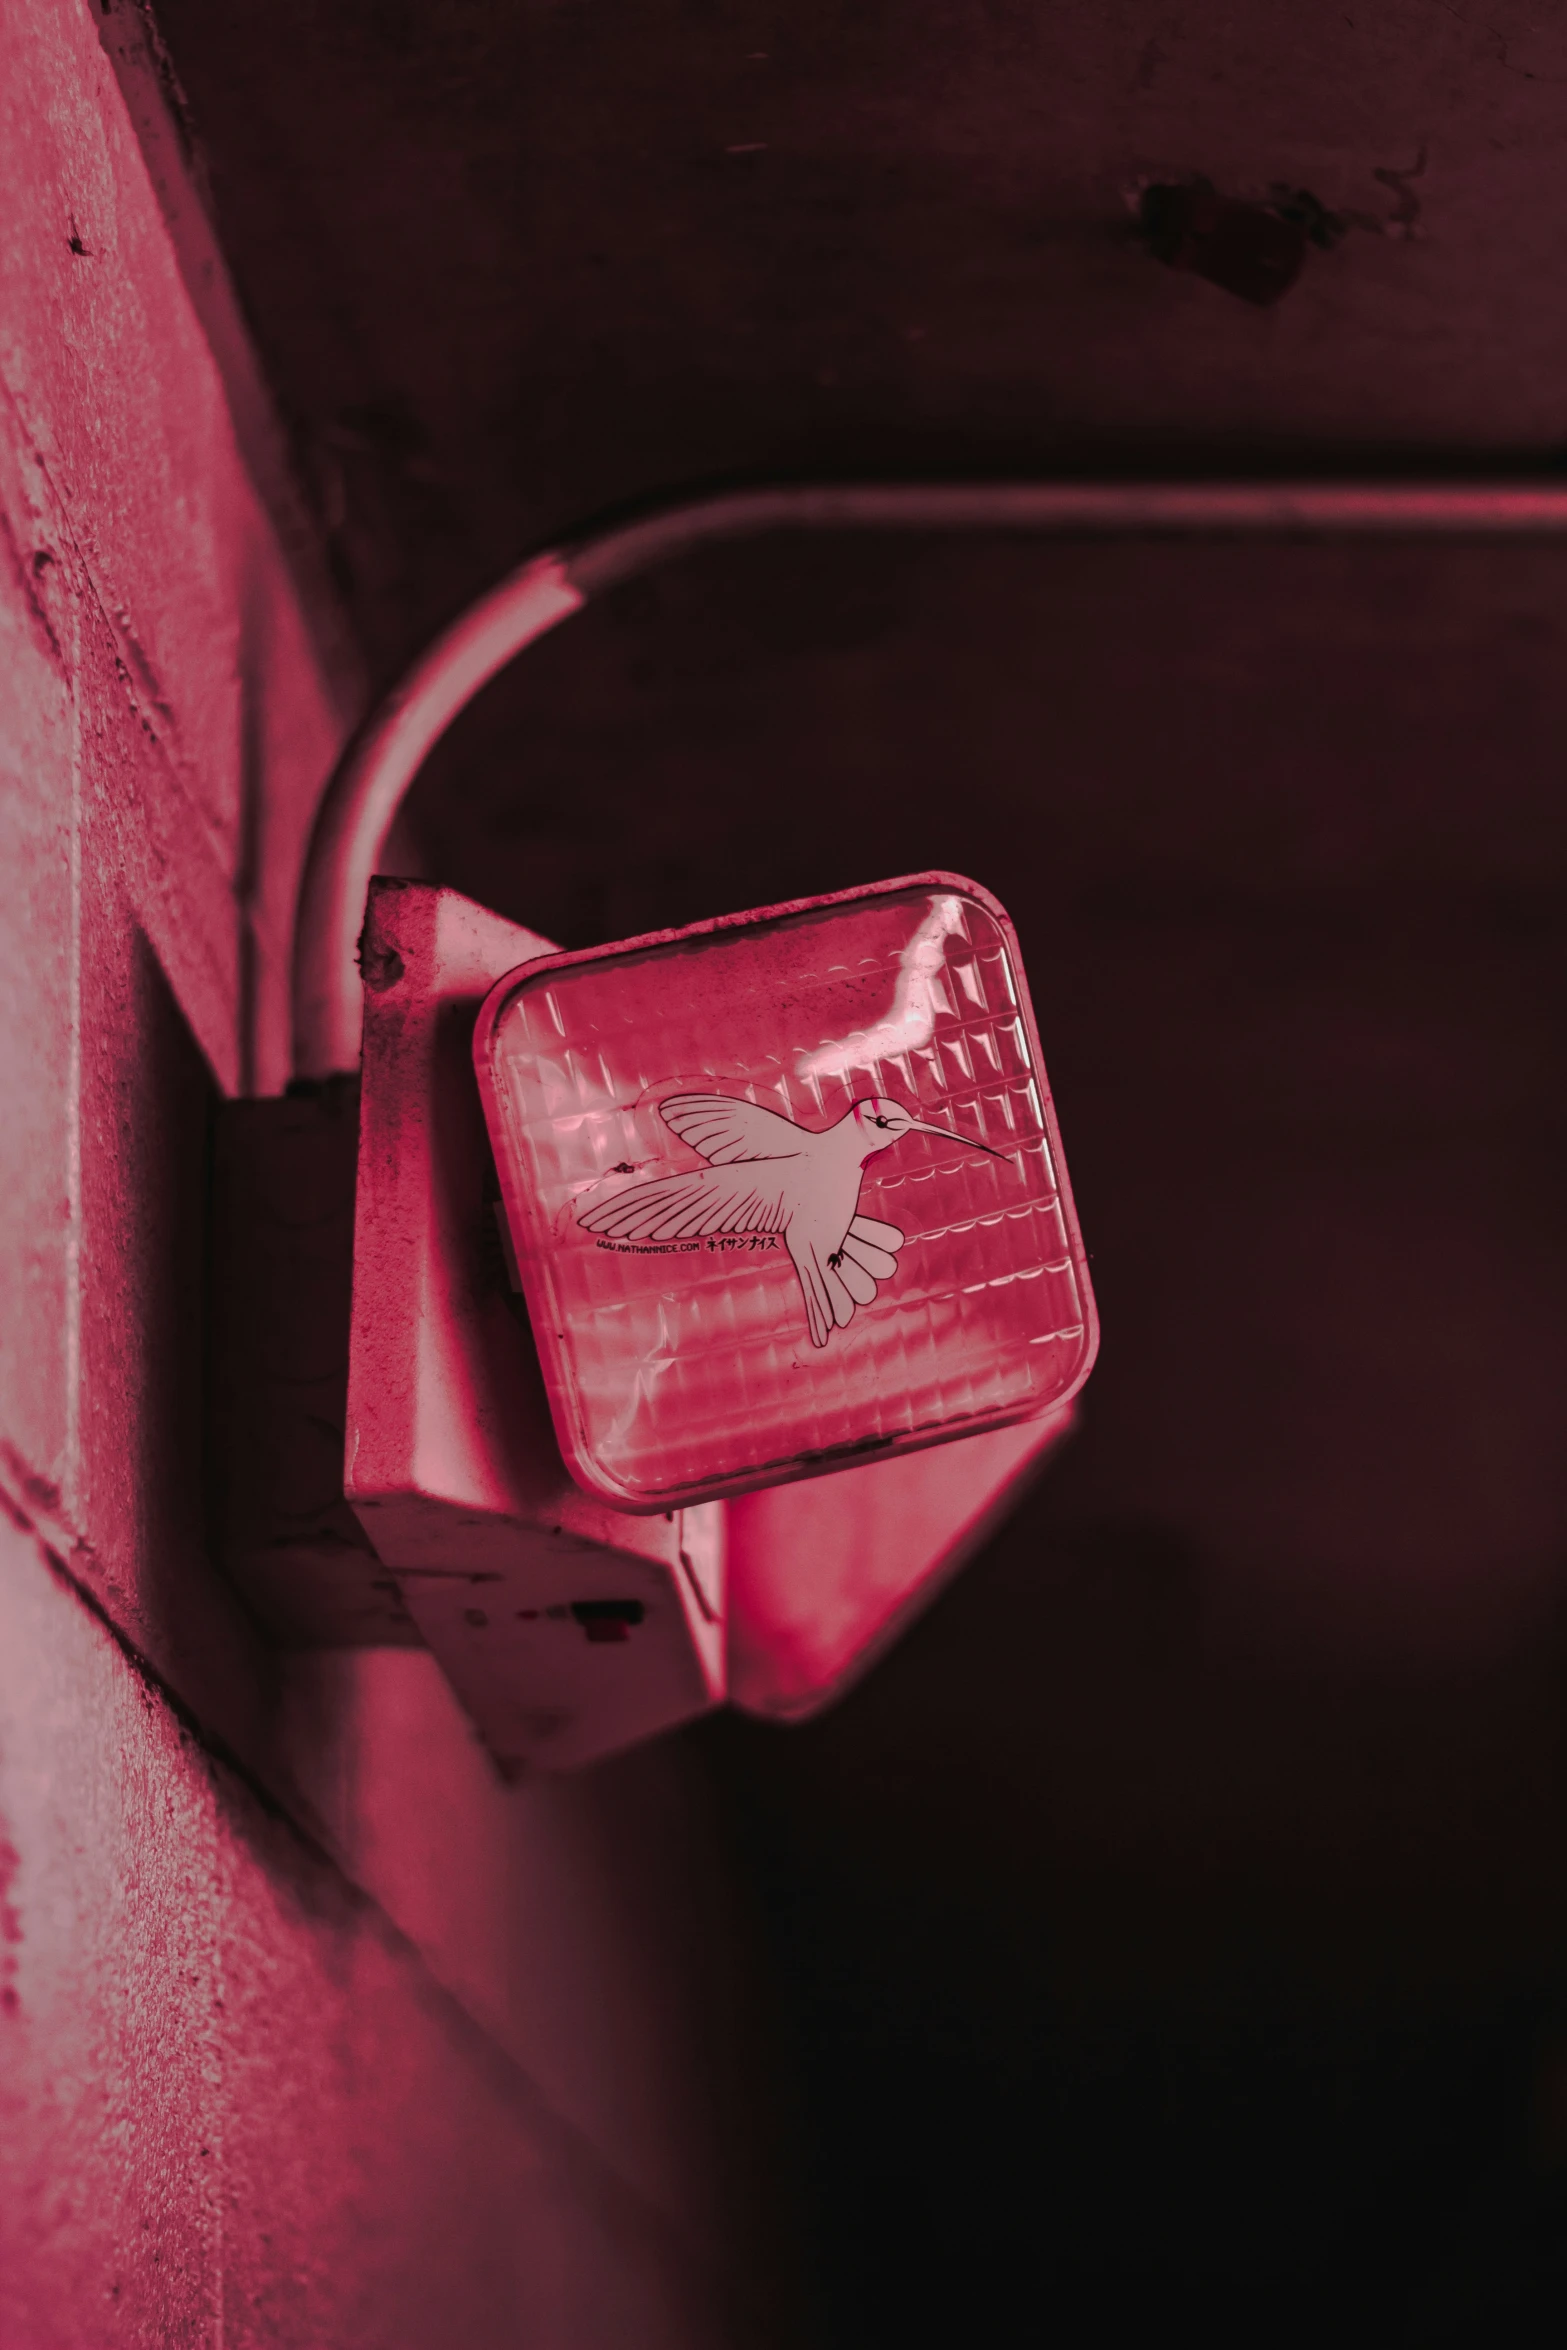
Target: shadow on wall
165,1104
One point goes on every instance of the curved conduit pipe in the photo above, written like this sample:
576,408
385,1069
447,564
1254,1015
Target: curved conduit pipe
386,755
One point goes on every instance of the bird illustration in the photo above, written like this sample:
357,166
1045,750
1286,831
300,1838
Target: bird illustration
764,1174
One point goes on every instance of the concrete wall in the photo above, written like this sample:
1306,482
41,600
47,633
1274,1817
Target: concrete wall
310,2032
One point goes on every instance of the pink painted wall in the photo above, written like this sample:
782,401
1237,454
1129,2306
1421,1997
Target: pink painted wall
310,2031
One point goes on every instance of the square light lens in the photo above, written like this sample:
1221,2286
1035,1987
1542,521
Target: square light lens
786,1191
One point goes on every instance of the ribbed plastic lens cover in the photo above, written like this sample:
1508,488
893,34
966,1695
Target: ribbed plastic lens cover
786,1191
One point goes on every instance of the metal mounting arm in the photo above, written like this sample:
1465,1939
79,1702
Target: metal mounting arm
386,755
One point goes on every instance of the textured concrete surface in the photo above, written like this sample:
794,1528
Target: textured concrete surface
235,2108
309,2031
512,264
153,565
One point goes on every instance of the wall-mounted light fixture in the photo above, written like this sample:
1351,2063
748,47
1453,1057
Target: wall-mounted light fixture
674,1167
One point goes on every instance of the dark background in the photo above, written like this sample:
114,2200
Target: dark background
1170,1934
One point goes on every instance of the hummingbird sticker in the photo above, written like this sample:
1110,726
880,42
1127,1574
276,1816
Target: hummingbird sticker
764,1174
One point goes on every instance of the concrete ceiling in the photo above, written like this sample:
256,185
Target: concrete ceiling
511,262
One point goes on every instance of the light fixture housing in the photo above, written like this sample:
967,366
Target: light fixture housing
785,1191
